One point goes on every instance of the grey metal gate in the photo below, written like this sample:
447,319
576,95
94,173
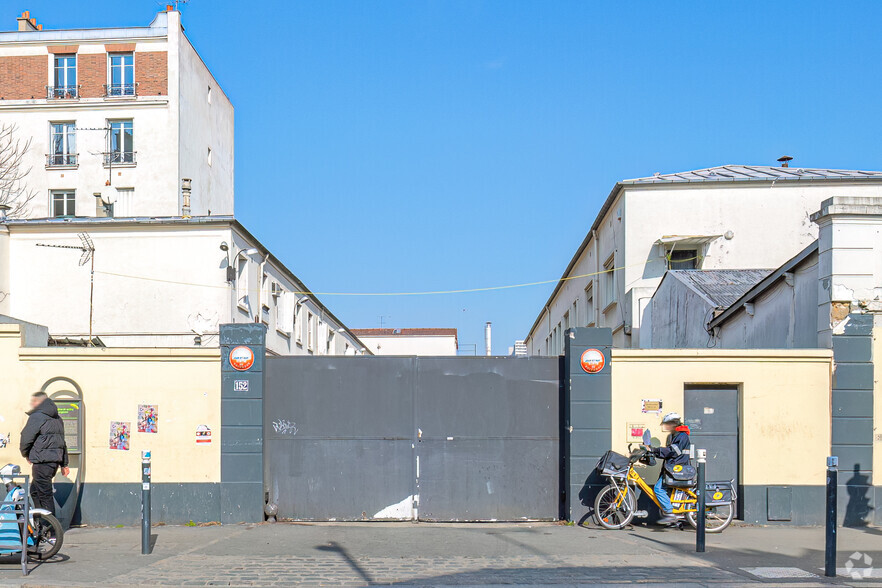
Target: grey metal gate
458,438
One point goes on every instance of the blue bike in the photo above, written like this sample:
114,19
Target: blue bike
44,533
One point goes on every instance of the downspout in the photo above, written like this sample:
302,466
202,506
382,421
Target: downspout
594,282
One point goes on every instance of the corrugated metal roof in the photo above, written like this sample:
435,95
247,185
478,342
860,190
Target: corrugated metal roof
755,173
723,286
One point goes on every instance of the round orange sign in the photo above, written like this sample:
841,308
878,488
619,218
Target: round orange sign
241,358
592,361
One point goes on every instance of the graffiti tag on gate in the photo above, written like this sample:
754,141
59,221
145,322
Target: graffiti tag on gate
283,427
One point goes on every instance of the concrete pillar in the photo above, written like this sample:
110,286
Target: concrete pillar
243,358
587,415
849,314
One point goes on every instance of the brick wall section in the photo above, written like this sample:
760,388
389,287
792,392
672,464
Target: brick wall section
151,73
92,74
23,77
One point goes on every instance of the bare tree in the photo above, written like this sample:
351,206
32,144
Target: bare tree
14,192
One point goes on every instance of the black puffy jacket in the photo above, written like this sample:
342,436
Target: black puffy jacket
42,439
678,445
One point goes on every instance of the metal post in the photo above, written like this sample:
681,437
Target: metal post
830,548
145,503
26,513
701,491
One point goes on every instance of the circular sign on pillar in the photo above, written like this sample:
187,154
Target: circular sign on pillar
592,360
241,358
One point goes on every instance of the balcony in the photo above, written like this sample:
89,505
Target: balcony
119,158
62,92
120,90
54,160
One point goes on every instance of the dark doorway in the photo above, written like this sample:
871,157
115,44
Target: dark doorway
711,412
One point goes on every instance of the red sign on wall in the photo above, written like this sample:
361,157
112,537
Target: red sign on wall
592,360
241,358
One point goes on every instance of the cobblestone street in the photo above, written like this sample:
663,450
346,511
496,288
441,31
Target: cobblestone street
442,554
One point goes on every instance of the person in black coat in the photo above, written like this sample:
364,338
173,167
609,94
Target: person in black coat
43,445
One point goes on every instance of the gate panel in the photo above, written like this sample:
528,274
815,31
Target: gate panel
489,438
339,436
711,412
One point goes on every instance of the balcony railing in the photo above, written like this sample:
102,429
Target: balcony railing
61,160
120,90
62,92
119,158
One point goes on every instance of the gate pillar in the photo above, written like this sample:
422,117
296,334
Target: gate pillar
243,360
587,427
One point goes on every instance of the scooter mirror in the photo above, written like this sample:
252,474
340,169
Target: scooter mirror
647,437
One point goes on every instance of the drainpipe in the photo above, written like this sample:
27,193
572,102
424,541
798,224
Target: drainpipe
259,315
594,282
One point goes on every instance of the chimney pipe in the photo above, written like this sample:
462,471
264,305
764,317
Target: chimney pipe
4,209
785,160
186,184
487,349
26,23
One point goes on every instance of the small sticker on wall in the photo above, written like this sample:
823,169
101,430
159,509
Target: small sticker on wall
652,405
708,410
148,418
120,435
203,434
4,440
635,432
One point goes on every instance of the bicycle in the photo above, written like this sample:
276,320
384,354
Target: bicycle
616,504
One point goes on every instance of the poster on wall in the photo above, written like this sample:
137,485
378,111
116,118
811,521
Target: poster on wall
148,418
203,434
119,435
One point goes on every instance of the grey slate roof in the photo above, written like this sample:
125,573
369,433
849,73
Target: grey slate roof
721,287
755,173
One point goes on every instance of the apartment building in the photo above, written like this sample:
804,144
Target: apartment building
131,224
118,119
727,217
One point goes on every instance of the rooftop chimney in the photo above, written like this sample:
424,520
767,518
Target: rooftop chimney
785,160
487,349
27,24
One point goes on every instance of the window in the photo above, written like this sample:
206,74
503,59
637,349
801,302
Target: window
242,283
65,78
209,94
122,142
683,259
310,328
297,330
208,157
566,321
589,305
63,144
329,346
122,75
609,280
63,203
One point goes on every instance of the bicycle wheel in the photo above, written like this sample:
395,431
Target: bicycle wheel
613,509
48,536
717,517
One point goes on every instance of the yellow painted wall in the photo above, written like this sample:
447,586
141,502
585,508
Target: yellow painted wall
785,400
183,383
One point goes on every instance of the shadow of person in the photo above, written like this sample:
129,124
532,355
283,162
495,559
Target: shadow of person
857,511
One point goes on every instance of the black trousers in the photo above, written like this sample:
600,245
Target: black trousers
41,485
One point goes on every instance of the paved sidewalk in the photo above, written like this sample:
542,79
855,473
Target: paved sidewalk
439,554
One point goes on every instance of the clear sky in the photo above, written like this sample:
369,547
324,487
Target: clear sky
412,145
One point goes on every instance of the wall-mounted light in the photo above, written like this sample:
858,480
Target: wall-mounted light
224,246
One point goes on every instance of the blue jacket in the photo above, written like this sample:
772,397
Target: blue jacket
678,445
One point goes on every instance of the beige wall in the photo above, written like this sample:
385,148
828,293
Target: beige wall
784,396
184,383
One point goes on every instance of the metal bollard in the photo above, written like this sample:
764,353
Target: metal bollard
830,547
701,491
145,503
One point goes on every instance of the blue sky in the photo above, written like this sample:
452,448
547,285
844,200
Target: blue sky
427,145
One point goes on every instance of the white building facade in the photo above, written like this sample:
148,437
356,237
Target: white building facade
716,218
160,282
117,119
426,342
